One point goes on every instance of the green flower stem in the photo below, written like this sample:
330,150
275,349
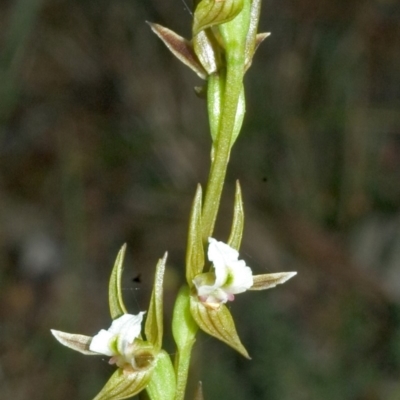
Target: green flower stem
184,330
182,363
234,34
222,145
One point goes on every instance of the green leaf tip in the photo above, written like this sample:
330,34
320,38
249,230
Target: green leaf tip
195,249
116,303
199,392
154,321
235,237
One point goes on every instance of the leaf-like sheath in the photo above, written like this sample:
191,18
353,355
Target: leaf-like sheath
218,323
122,385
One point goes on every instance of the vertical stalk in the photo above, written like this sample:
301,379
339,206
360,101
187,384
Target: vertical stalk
184,330
215,184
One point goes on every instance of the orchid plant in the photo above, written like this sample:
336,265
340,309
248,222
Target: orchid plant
220,52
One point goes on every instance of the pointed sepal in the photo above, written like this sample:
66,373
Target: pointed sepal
269,281
215,12
180,48
116,303
218,323
207,50
240,111
154,322
123,385
251,40
75,341
235,237
199,392
195,250
260,37
162,383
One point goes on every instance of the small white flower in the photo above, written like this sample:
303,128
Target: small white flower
228,277
119,336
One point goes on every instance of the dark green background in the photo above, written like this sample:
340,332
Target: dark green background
102,141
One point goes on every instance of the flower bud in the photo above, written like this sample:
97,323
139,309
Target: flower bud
215,12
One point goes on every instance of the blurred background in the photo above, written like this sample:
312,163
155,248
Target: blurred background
102,141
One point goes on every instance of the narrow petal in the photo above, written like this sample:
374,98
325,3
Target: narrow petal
269,281
74,341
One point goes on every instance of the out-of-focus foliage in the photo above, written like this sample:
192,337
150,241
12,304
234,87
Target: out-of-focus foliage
102,141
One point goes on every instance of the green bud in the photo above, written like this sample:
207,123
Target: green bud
184,328
215,12
116,303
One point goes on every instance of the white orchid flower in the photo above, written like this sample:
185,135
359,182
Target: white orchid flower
229,276
117,342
